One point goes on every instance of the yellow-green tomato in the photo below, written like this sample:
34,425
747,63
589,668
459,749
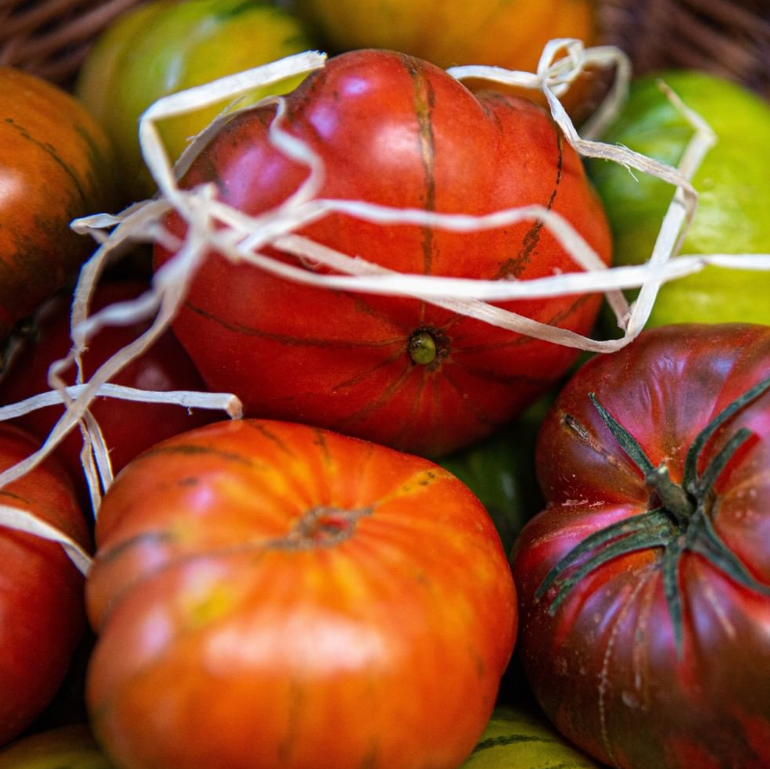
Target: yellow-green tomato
165,46
517,738
64,747
733,183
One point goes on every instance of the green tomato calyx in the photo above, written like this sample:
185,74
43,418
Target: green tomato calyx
680,517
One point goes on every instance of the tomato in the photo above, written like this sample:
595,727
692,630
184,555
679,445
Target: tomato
65,747
521,738
55,166
128,427
500,470
41,591
303,593
733,194
510,35
396,131
164,46
649,646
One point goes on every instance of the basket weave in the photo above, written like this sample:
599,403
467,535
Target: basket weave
51,37
727,37
730,38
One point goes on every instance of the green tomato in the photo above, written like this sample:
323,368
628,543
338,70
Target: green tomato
732,182
65,747
500,471
519,738
165,46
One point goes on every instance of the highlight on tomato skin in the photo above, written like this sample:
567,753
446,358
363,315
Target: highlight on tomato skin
395,131
311,596
644,584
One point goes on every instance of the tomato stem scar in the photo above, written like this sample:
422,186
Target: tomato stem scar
680,517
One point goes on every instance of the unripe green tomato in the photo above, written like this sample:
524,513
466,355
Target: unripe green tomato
165,46
733,183
65,747
518,738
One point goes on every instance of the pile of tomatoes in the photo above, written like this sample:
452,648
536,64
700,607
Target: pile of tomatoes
363,571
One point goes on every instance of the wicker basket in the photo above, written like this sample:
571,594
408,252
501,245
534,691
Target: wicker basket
727,37
52,37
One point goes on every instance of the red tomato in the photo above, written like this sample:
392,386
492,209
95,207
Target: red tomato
397,131
41,591
650,646
273,595
56,164
129,428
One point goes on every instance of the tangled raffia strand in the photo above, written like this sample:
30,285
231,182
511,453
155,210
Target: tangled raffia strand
243,238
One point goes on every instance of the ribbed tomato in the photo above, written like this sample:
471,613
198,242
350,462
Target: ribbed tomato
41,591
270,595
396,131
56,164
645,583
128,428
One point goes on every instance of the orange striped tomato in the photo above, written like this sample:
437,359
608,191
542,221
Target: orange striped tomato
395,131
273,595
55,165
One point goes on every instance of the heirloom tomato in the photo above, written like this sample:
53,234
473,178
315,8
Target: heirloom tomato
164,46
645,582
732,183
500,471
269,595
396,131
55,165
65,747
510,34
521,738
128,427
41,590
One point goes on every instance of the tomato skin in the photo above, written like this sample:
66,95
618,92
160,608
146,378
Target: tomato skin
218,613
128,428
41,591
55,166
396,131
519,737
510,35
63,747
733,194
605,666
165,46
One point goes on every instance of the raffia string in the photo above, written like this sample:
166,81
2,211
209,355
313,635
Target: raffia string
243,238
